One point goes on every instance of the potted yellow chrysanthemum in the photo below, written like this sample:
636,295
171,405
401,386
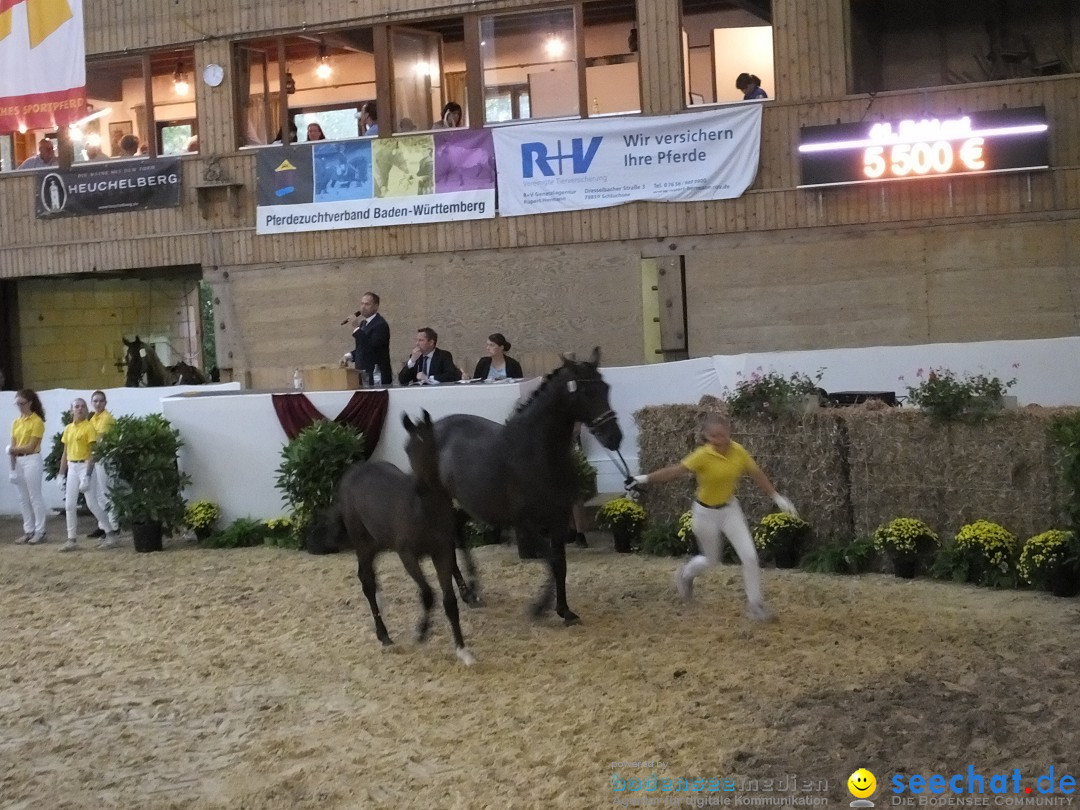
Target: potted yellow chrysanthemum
989,551
1051,561
201,517
624,517
782,535
904,540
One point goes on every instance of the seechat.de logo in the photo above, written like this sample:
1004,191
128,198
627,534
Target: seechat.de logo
862,785
538,155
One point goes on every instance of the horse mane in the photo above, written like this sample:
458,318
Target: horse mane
544,385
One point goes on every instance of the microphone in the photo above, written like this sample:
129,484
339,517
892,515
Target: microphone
355,315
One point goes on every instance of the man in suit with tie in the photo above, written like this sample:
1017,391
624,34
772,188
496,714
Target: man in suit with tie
428,364
372,335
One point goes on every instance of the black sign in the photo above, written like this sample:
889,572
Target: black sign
109,186
975,143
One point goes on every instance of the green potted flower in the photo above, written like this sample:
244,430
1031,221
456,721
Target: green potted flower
989,551
783,537
625,518
147,485
948,396
905,540
279,532
201,516
770,393
1051,561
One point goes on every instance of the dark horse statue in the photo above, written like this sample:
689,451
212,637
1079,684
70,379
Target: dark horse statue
520,474
380,508
144,367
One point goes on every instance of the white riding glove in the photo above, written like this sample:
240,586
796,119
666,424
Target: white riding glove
784,505
641,480
84,482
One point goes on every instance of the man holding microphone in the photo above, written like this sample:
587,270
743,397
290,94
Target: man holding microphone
371,334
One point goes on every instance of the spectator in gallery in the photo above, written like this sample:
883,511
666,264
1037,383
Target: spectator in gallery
45,157
369,119
750,85
314,132
451,116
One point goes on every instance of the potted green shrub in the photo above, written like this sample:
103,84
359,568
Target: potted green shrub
783,537
311,466
948,396
625,518
147,484
1051,561
905,541
770,393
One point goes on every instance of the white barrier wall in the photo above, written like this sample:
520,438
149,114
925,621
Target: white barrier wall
233,442
122,402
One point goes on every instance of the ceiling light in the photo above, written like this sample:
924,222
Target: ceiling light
180,83
323,69
554,46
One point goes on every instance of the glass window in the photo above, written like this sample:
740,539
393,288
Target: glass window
906,45
727,54
536,50
7,153
327,76
428,62
612,80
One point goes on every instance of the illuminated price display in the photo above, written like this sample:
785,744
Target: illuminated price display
979,143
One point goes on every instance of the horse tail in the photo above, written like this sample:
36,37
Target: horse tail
326,533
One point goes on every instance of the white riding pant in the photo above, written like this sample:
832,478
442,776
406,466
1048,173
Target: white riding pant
708,525
76,469
99,485
28,470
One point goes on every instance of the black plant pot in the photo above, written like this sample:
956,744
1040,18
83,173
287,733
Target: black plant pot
786,554
905,566
147,536
1065,582
624,538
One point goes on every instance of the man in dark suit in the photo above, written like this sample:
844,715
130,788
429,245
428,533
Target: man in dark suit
372,335
428,364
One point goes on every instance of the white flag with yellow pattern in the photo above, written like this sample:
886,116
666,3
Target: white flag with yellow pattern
42,63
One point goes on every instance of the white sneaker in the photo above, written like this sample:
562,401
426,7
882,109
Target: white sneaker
70,545
110,541
759,612
37,539
684,585
23,539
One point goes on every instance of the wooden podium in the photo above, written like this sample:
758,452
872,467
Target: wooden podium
330,378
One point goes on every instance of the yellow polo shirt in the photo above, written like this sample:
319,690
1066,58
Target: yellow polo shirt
102,422
718,473
26,428
77,439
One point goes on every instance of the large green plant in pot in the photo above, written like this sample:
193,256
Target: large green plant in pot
311,466
147,485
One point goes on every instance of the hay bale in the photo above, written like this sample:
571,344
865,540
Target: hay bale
1006,470
802,455
850,469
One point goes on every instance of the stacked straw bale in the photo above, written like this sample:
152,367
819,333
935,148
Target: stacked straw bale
848,470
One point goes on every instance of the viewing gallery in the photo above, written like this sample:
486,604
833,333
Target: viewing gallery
912,175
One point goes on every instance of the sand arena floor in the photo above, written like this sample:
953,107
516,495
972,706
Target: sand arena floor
252,679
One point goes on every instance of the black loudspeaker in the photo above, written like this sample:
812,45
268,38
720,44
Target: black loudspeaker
839,399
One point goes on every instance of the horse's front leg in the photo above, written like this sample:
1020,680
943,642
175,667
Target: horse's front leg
557,563
470,590
366,575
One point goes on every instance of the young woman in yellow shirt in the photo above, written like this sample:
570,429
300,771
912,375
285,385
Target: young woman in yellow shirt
24,454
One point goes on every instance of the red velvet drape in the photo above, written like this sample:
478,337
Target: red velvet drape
366,411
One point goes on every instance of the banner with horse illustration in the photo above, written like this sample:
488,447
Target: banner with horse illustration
42,64
327,185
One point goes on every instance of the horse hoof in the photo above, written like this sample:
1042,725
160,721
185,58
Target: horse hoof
570,618
475,600
387,642
465,656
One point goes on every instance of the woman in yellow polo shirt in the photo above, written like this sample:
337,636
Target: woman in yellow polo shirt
77,467
718,465
24,453
102,421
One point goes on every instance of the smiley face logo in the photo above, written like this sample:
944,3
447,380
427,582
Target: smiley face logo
862,784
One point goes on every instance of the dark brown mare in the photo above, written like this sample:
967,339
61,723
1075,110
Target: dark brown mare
144,368
520,474
379,508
